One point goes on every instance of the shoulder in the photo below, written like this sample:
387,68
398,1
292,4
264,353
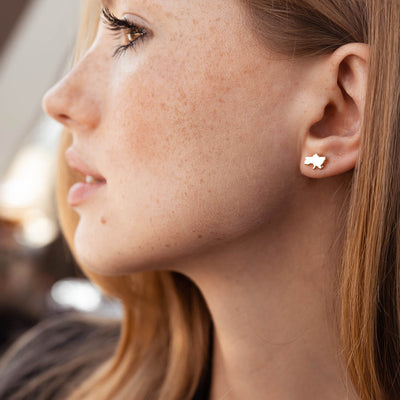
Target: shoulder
54,356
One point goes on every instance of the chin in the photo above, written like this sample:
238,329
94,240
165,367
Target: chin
108,259
108,252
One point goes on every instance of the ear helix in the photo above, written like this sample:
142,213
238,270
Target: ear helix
316,161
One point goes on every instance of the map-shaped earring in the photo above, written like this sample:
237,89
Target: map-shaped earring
316,160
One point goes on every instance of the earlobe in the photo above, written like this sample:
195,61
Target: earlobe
340,155
334,130
316,161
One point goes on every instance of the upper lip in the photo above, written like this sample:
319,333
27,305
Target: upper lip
76,163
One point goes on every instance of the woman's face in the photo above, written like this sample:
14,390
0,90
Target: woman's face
191,128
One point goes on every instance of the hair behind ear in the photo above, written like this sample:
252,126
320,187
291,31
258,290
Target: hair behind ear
371,262
371,258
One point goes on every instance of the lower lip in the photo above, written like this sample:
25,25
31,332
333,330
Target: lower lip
81,191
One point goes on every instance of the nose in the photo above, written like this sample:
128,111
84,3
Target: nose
75,99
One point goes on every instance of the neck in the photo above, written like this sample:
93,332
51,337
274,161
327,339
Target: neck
272,299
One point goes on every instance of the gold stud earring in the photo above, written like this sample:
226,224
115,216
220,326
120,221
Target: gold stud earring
316,160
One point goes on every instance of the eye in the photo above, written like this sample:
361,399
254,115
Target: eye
131,32
132,36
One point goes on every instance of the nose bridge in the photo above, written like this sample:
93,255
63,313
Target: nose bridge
75,100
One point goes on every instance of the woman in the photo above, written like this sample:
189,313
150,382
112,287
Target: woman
238,189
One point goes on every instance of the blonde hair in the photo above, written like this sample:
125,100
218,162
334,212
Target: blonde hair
164,350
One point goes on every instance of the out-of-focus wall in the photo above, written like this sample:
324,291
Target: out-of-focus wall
38,276
10,12
35,54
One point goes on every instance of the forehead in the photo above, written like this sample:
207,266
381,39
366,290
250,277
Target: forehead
174,8
163,5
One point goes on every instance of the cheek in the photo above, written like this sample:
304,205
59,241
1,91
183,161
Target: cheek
194,156
185,159
176,114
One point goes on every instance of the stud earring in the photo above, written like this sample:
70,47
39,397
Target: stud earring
316,160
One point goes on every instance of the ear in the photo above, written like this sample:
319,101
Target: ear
334,127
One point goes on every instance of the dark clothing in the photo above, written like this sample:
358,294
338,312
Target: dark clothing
54,357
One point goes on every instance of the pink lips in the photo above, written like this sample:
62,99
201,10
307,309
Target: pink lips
81,191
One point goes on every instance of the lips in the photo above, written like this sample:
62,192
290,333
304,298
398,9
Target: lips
76,163
82,191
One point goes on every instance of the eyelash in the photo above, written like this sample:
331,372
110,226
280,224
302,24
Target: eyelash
128,28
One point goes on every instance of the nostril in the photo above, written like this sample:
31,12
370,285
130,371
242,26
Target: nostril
63,118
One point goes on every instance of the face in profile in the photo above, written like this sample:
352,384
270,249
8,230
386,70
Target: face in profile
185,117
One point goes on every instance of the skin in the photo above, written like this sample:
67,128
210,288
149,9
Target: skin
201,134
184,133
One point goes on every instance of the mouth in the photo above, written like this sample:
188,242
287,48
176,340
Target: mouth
76,163
92,180
81,192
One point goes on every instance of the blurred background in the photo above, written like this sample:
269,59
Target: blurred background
38,276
